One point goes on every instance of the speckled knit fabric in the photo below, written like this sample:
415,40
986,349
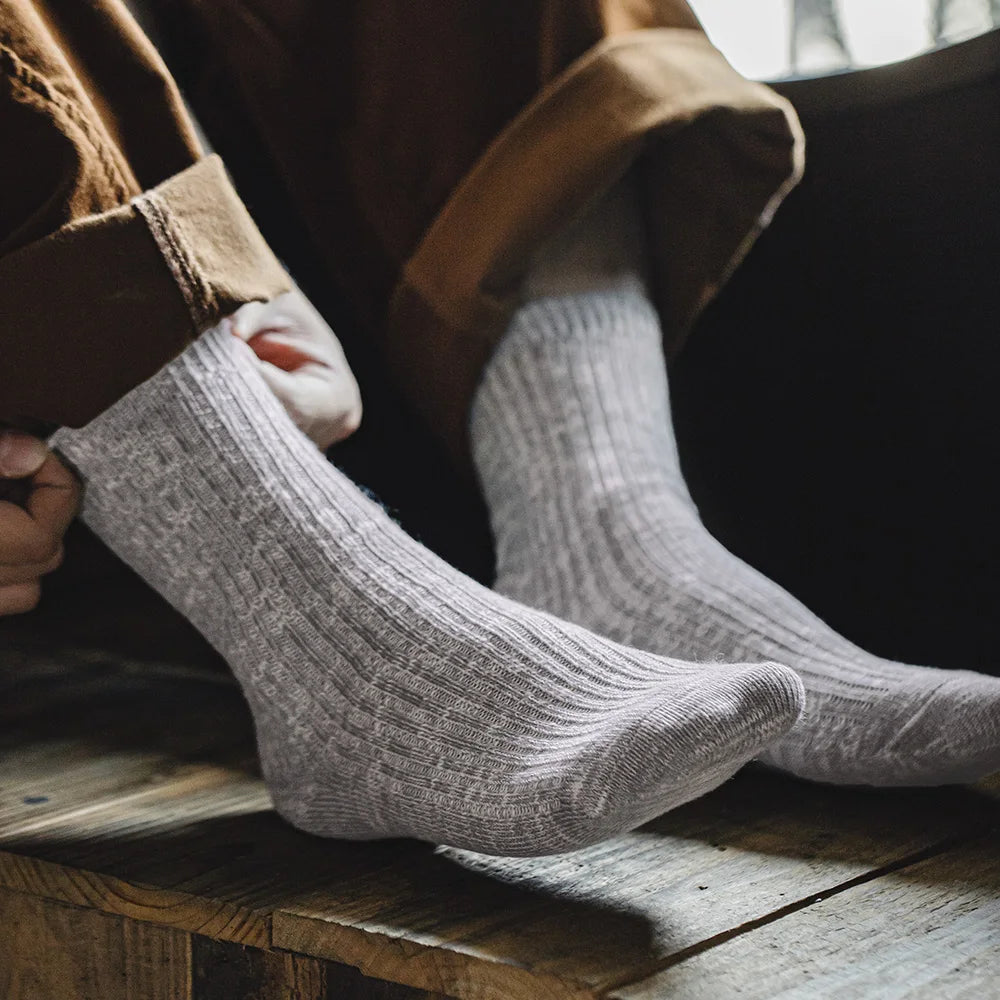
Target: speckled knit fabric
573,443
392,696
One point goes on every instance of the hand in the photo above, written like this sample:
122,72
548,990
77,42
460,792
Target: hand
39,497
304,365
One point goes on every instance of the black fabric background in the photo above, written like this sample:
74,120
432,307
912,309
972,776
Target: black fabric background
838,406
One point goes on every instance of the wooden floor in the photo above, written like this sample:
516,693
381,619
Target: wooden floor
139,859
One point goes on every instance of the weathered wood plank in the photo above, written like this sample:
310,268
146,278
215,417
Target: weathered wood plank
450,971
50,952
157,962
295,977
95,733
183,911
930,931
96,755
346,983
574,925
221,970
226,971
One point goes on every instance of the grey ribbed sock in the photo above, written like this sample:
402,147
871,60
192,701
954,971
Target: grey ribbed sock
392,696
573,443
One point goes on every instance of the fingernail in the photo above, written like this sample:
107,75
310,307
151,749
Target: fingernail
20,454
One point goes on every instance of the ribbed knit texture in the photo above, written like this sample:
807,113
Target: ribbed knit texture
392,696
573,444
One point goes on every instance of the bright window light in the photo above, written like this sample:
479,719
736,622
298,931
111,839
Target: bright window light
756,35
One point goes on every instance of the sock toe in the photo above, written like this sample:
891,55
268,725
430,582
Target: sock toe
679,744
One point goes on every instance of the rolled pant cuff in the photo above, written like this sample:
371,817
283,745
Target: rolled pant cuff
717,155
107,300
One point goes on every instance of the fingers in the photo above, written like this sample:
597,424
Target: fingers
324,405
15,575
247,320
19,598
54,500
31,530
303,363
32,535
348,423
21,454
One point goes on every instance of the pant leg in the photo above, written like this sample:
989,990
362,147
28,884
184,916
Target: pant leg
119,241
430,147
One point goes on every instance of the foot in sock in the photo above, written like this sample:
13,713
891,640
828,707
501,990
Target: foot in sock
573,444
391,695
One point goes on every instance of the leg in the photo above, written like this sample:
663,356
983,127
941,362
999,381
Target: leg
572,439
391,695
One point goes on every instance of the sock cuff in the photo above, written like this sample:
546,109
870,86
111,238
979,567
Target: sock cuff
624,313
198,385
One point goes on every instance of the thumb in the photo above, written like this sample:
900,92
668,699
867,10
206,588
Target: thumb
21,454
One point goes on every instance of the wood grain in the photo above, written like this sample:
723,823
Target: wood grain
227,971
53,952
58,952
183,911
927,932
157,962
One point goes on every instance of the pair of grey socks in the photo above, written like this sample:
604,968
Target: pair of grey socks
391,695
573,442
394,697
